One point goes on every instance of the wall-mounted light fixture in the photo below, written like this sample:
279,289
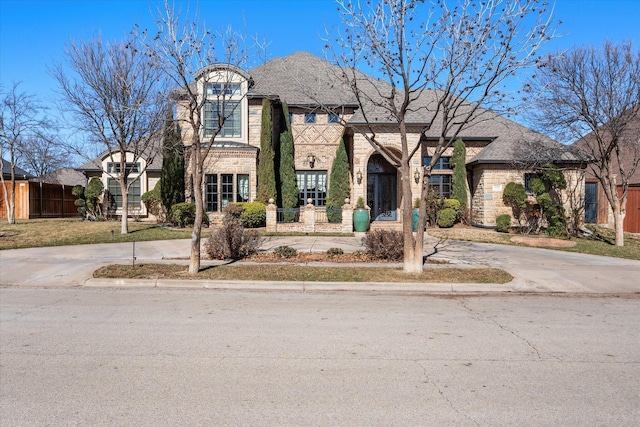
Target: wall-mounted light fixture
416,176
311,159
359,176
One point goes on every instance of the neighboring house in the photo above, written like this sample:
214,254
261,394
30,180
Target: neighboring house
65,176
597,207
39,197
498,150
145,175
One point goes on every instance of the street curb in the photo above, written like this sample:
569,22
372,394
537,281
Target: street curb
448,288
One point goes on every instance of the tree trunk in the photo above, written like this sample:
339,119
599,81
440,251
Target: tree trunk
11,205
618,222
196,176
412,251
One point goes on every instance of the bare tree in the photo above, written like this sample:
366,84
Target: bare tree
19,121
43,154
438,67
594,94
117,98
202,65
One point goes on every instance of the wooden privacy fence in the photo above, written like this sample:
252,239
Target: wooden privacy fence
40,200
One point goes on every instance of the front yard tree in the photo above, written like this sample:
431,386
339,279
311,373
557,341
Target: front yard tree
288,183
172,174
19,122
339,183
438,63
184,49
114,93
459,163
596,91
266,166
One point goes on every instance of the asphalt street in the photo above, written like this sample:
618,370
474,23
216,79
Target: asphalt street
81,356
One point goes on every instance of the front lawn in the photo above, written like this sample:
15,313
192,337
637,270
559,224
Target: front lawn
307,273
74,231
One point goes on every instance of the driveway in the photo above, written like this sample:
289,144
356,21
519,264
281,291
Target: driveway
534,269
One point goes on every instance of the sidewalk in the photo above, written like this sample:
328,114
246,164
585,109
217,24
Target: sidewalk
534,270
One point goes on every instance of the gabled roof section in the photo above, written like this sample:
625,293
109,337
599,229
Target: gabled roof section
154,150
20,173
515,143
301,79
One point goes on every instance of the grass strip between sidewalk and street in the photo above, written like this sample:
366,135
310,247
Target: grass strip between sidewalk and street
306,273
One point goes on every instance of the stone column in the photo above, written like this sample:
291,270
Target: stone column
347,216
272,218
309,217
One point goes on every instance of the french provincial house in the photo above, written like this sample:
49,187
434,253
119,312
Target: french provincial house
322,112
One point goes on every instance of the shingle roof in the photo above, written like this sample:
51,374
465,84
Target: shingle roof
65,176
20,173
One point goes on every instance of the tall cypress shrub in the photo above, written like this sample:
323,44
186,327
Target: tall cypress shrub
172,174
289,186
266,171
339,186
459,190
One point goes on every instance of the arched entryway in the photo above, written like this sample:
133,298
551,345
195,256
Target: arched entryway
382,189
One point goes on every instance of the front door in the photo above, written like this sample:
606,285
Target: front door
382,189
591,203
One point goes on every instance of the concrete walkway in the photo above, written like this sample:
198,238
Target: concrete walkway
534,269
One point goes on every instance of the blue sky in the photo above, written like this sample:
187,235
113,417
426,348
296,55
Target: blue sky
33,33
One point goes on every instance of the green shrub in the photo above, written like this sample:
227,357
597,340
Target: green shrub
503,222
232,241
153,201
285,252
447,217
334,252
254,214
384,244
183,214
360,203
451,204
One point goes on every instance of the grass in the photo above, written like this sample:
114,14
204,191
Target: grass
288,272
73,231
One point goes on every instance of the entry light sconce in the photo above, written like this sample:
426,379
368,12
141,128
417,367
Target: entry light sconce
359,176
416,176
311,159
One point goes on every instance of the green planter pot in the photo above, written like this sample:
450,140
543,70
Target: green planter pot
361,220
414,219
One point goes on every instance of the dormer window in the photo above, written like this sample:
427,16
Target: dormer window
227,89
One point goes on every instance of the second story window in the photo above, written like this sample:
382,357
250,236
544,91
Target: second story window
226,89
443,163
115,167
310,117
333,118
231,115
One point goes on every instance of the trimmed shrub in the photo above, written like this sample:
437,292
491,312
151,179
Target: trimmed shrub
184,214
334,252
232,241
447,217
503,222
339,185
451,204
254,214
153,201
384,244
285,252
